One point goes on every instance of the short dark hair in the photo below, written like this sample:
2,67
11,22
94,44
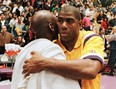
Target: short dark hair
71,9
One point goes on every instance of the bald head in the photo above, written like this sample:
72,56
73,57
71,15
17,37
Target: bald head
43,23
43,15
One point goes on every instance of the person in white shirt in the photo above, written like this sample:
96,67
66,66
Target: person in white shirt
6,2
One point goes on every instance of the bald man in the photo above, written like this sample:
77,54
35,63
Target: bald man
44,27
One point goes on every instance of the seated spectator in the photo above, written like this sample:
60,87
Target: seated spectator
19,28
12,23
20,41
3,22
5,38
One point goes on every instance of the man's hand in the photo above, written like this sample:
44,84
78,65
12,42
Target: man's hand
34,64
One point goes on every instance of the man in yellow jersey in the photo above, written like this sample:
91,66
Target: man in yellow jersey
83,49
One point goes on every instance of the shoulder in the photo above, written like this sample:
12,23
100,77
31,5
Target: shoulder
93,47
89,37
44,44
46,48
8,33
89,34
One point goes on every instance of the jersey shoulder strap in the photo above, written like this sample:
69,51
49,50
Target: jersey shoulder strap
88,36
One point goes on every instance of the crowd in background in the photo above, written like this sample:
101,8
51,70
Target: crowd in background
15,16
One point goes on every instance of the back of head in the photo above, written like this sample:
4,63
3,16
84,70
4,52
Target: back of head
44,25
68,9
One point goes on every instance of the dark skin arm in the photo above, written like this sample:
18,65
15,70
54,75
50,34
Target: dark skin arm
75,69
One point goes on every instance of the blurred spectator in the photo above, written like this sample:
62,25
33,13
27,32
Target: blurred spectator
86,22
112,22
36,4
55,12
78,3
13,20
100,17
56,8
114,10
9,17
20,28
32,2
20,41
92,12
22,16
2,45
6,2
45,5
71,2
85,9
7,37
104,24
12,23
100,8
96,3
30,12
24,3
102,35
14,8
110,15
112,57
29,34
90,2
106,3
3,22
92,26
20,8
27,6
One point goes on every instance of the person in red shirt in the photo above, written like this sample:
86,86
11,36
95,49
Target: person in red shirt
104,23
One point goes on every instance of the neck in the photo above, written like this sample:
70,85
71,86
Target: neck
19,22
3,33
2,20
69,45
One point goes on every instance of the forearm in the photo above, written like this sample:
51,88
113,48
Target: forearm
77,69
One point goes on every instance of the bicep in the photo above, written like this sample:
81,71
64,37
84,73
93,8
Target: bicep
94,50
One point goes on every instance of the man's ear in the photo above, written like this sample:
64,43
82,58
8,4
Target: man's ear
80,25
51,27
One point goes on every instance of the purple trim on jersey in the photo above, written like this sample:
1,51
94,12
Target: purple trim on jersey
93,57
87,38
